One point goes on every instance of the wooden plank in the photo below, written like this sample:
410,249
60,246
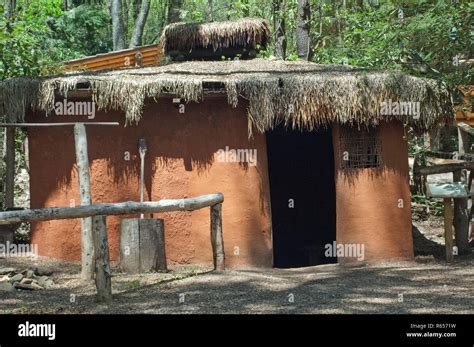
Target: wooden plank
461,217
103,272
465,128
217,240
448,229
109,209
444,168
32,125
82,162
463,142
10,168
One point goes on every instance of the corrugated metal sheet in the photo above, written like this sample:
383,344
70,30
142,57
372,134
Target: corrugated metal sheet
139,56
464,111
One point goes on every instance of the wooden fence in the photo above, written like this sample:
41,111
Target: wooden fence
99,212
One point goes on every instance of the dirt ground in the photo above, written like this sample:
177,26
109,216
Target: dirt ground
425,285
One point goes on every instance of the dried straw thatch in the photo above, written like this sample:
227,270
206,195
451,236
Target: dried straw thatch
247,32
300,94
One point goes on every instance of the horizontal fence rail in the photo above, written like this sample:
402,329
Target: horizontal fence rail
110,209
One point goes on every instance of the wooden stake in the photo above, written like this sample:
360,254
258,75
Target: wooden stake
10,166
217,240
103,273
463,141
448,229
82,161
461,217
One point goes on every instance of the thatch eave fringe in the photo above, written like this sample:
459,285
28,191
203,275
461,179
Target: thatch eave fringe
301,95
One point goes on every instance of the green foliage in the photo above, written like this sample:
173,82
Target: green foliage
435,206
82,31
421,38
22,38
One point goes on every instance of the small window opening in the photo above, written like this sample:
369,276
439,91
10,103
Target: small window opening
360,149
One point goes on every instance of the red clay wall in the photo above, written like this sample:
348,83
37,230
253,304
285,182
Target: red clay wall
367,200
180,162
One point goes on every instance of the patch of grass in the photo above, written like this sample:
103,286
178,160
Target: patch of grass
135,284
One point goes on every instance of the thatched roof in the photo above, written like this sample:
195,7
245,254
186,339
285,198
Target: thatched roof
247,32
301,94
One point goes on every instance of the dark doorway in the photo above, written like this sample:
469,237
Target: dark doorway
303,199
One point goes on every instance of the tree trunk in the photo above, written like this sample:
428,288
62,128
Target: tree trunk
302,29
246,8
117,25
125,12
137,35
280,28
210,10
136,9
10,6
174,11
338,22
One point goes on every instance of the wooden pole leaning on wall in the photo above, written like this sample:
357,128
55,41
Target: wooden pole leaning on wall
10,168
82,161
103,273
217,239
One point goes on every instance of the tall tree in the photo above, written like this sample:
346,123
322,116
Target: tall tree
136,9
279,26
210,11
302,29
137,35
174,10
117,25
245,8
125,15
10,6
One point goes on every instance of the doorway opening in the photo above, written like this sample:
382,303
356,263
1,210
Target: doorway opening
303,196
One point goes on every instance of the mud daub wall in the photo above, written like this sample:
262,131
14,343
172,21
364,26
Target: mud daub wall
373,204
181,161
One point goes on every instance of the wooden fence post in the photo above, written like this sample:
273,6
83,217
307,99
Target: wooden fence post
463,139
10,167
217,240
103,272
461,216
82,161
448,229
